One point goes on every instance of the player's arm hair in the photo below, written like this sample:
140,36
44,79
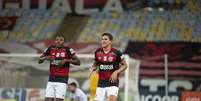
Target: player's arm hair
44,56
122,66
75,60
93,67
41,59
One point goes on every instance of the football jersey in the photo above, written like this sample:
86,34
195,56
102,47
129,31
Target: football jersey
107,63
59,73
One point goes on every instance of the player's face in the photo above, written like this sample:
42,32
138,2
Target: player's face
71,88
105,41
59,41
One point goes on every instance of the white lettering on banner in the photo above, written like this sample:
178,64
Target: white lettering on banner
192,99
22,94
62,5
184,84
106,67
113,5
153,84
79,8
159,98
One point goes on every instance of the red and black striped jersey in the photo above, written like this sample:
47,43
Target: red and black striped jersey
59,73
107,63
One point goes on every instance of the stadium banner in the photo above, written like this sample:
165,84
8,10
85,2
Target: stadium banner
191,96
159,96
22,94
151,89
184,59
184,67
7,22
7,100
71,6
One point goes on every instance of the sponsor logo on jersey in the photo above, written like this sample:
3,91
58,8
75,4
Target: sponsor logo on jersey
106,67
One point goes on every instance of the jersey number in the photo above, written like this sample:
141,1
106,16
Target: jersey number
60,54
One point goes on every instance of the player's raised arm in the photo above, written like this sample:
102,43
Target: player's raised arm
73,58
45,56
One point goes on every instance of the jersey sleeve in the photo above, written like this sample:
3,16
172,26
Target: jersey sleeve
46,51
120,55
72,52
95,57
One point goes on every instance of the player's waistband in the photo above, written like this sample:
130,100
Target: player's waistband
62,79
106,83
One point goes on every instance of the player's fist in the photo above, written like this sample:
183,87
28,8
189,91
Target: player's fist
62,62
49,58
113,77
40,61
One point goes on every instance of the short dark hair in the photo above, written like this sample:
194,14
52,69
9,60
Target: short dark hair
60,35
109,35
73,84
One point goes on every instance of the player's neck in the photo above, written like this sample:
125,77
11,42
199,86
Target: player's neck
107,49
60,46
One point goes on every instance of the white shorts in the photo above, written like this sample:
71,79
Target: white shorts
56,90
103,92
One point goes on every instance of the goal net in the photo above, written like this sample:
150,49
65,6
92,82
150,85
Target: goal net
24,72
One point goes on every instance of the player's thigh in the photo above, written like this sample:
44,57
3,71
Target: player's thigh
112,91
50,92
58,99
100,94
49,99
60,90
112,98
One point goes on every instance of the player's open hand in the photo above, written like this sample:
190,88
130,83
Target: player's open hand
113,77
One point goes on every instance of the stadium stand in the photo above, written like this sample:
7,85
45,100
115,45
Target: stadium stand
33,25
143,25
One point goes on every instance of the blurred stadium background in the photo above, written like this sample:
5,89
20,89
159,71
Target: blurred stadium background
157,33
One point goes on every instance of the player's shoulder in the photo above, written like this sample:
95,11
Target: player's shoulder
115,50
51,47
66,47
98,49
69,49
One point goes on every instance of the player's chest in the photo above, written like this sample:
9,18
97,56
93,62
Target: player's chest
59,53
109,57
